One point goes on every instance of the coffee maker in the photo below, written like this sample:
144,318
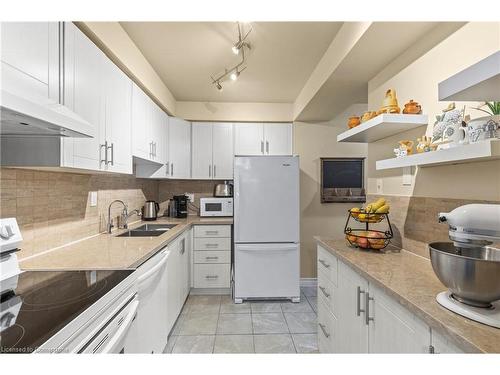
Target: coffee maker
179,206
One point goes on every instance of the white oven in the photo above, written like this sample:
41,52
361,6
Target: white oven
216,206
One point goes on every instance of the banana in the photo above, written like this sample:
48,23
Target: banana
383,209
379,203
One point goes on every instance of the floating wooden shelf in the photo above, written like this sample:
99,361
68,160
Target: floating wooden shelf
480,151
382,126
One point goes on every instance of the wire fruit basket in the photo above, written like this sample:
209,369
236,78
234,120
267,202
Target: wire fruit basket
364,237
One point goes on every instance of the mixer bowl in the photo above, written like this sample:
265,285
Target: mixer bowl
471,273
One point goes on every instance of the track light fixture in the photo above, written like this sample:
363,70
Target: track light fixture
238,49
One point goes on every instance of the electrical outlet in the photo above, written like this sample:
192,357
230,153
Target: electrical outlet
93,198
190,196
380,186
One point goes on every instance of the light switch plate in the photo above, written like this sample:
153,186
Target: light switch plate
407,176
190,196
380,186
93,198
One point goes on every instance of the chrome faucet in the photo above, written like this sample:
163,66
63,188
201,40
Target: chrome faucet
124,215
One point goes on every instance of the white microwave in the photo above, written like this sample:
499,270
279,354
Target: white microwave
216,206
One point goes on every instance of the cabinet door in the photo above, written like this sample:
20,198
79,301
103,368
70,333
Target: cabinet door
118,118
352,334
173,295
393,328
201,143
184,269
157,139
223,152
83,94
179,148
30,60
248,139
141,129
278,139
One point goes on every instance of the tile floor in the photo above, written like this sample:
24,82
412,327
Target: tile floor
214,324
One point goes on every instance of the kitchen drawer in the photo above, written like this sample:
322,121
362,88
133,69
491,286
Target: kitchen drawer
326,291
328,264
210,256
327,329
212,275
212,244
212,231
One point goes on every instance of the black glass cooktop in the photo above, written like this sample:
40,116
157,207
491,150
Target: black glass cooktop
43,302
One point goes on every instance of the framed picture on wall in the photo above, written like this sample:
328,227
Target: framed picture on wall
342,180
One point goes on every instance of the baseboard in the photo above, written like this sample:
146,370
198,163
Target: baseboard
308,282
210,291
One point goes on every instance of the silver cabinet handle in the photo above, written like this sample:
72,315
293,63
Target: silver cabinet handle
324,263
262,147
211,277
267,147
151,149
211,258
215,171
112,161
105,146
323,290
323,328
358,301
183,246
168,168
212,245
367,308
171,169
155,149
209,171
207,232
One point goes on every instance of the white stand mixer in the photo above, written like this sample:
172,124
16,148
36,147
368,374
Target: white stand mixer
469,267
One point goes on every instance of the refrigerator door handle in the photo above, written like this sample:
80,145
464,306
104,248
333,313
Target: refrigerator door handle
267,247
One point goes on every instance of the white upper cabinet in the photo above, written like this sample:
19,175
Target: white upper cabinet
141,127
83,94
201,142
30,60
179,148
222,151
262,139
148,128
278,139
212,150
118,102
248,138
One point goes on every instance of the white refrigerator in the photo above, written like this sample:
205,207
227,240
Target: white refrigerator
266,228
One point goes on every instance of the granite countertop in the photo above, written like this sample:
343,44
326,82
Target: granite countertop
106,251
410,280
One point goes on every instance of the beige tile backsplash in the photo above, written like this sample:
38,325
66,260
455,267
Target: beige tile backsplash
53,208
415,220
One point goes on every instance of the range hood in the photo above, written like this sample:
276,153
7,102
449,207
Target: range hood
22,117
478,82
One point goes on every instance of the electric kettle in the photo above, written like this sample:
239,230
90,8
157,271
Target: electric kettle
150,210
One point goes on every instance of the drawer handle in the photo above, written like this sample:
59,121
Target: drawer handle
211,232
324,263
211,277
368,318
323,289
212,245
323,328
211,258
359,310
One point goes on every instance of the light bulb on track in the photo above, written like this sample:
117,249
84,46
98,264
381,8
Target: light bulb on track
234,75
236,49
219,86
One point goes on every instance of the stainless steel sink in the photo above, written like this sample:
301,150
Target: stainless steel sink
148,230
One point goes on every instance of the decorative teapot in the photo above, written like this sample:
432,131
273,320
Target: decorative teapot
412,108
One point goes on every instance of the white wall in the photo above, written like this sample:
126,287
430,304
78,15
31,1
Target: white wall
313,141
419,81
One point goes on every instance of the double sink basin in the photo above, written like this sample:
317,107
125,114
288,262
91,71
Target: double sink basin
148,230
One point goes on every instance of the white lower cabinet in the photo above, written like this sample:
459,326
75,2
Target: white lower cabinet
212,256
355,316
178,277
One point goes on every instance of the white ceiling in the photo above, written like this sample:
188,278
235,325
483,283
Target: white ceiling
186,54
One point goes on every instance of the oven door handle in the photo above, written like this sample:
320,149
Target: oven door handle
118,337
